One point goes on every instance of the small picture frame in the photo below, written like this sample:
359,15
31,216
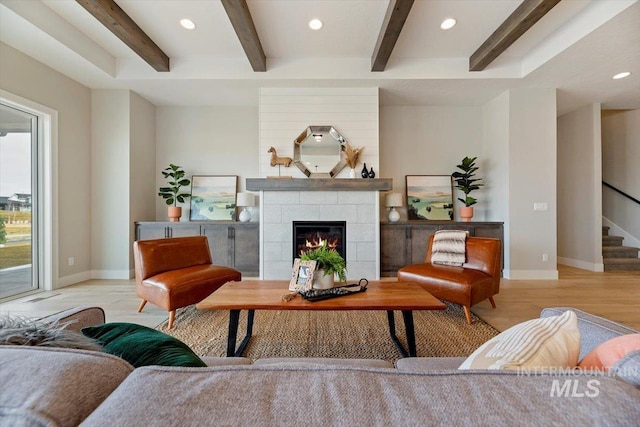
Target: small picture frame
302,275
429,197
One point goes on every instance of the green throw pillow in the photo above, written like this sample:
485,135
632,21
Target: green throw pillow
142,346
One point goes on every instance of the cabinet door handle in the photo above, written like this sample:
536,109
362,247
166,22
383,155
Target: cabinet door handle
231,233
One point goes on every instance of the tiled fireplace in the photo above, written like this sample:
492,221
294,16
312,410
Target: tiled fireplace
358,209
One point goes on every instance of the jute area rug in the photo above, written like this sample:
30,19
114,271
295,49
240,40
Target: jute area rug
341,334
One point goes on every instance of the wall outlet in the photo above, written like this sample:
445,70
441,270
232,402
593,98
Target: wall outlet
72,260
545,257
539,206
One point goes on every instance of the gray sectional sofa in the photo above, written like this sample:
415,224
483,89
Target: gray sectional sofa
63,387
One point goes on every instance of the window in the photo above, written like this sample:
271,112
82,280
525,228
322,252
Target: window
19,206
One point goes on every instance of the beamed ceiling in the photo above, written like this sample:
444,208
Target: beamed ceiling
240,45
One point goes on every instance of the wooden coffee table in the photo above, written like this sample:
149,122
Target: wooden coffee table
267,295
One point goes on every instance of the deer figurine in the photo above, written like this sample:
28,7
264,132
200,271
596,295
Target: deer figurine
276,161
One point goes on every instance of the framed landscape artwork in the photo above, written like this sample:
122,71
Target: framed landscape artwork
213,198
429,197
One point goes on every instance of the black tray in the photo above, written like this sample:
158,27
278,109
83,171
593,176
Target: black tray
335,292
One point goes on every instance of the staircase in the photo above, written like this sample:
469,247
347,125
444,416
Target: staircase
617,257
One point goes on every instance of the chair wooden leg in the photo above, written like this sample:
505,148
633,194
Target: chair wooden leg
142,304
467,314
493,303
172,317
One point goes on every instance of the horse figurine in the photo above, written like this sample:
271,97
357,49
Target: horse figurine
275,160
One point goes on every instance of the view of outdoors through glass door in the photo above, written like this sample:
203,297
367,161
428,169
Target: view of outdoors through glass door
18,252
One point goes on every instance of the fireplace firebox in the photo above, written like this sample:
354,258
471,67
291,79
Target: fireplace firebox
308,235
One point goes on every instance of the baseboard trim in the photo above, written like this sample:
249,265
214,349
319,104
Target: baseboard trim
112,274
591,266
72,280
530,274
94,274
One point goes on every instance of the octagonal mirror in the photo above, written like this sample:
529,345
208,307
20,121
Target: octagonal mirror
317,152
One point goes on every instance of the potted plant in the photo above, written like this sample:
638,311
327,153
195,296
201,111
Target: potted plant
328,262
466,183
171,194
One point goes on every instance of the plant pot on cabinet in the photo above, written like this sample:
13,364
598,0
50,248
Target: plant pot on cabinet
175,212
466,213
320,281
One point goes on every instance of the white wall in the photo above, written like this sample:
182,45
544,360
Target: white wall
620,168
123,182
110,178
30,79
142,168
514,138
205,141
532,179
430,141
286,112
495,164
519,131
579,183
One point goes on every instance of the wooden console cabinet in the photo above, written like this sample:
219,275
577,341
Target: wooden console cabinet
233,244
404,243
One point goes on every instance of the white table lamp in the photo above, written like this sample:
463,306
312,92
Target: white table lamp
392,201
245,200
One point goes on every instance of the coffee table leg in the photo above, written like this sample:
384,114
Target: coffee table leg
407,315
392,332
234,317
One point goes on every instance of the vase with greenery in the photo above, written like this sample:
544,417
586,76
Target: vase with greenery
175,180
328,262
467,182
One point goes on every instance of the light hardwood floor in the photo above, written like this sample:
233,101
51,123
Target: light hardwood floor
612,295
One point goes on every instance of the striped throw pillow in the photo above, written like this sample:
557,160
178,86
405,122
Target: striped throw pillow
539,343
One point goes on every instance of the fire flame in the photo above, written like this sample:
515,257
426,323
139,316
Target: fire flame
318,242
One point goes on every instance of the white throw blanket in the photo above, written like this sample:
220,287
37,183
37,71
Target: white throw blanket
449,247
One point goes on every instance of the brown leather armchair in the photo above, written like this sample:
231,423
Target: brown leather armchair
177,272
477,279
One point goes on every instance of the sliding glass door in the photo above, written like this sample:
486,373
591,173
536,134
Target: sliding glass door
19,272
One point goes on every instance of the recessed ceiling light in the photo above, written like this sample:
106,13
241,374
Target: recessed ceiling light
315,24
448,24
187,24
621,75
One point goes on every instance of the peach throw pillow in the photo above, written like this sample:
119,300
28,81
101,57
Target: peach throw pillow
610,352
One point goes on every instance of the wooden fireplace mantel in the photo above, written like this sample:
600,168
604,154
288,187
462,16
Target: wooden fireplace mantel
319,184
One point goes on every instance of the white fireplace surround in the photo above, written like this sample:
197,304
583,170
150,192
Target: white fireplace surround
360,210
283,114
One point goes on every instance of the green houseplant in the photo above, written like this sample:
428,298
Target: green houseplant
328,262
466,182
175,180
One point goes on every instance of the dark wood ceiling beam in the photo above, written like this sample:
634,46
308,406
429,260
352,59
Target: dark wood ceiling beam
394,20
523,18
240,18
119,23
